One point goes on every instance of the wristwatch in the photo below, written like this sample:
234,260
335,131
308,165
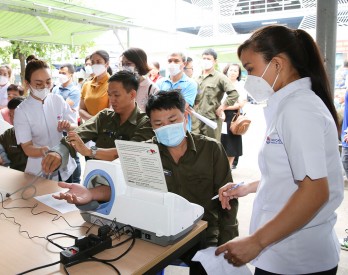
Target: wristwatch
94,150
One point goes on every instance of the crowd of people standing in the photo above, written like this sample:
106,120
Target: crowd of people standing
301,181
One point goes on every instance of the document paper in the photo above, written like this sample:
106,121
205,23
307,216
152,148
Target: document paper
141,165
218,264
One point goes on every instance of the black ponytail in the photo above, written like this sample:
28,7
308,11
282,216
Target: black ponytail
303,54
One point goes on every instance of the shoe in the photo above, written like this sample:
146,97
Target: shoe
344,242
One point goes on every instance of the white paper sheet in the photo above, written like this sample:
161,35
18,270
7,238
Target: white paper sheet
218,264
141,165
60,205
210,123
224,128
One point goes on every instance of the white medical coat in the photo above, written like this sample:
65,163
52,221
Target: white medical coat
301,140
37,122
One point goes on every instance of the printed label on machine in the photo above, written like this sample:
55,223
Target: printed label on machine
141,165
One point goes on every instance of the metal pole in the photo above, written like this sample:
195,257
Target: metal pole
326,35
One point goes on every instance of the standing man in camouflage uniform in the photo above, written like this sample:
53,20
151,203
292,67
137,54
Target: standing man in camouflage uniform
212,87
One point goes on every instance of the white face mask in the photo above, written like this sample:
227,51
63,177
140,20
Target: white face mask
128,69
3,80
207,64
88,70
40,93
174,69
63,78
98,69
258,88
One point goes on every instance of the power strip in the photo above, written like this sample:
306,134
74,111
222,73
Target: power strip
84,248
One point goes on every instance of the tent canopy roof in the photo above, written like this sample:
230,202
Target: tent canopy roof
54,21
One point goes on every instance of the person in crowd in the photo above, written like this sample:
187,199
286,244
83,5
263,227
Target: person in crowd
301,185
67,88
40,119
71,94
94,96
12,154
12,91
154,74
233,143
135,61
198,166
212,86
341,79
178,80
5,76
124,122
86,71
188,69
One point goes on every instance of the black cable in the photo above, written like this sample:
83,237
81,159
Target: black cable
91,259
59,233
39,267
20,227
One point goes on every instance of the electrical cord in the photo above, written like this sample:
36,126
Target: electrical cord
37,268
114,231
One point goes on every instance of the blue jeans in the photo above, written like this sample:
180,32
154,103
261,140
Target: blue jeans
344,157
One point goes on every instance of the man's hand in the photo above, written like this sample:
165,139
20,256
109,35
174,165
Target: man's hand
77,193
78,144
219,111
51,162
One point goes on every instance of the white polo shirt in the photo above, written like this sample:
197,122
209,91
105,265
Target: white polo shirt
37,122
301,140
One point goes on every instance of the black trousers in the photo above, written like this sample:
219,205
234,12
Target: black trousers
327,272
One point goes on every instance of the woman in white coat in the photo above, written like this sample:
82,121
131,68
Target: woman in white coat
41,119
301,185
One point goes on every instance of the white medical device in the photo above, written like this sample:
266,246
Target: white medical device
158,217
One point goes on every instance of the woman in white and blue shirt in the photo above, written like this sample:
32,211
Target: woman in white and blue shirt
301,185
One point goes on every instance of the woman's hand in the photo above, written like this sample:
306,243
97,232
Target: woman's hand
63,125
240,251
79,146
227,192
77,194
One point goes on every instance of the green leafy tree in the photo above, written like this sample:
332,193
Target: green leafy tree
49,52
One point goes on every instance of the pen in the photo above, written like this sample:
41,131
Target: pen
232,188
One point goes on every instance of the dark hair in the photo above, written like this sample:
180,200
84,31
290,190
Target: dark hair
33,66
14,102
128,80
139,58
156,65
103,54
189,59
70,67
88,57
234,64
302,52
30,58
211,52
17,88
165,100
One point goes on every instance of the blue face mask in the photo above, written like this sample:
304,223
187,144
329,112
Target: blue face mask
171,135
